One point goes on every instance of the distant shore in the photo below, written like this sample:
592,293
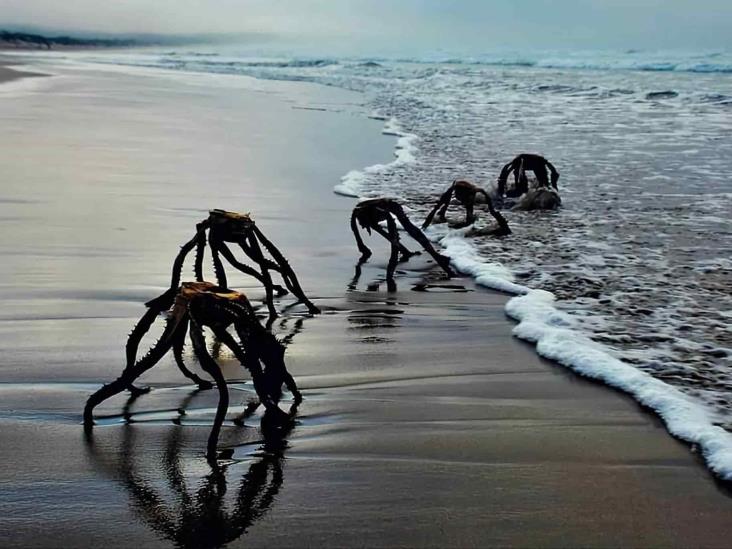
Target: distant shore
8,74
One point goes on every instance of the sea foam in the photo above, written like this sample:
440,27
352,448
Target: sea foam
556,337
352,184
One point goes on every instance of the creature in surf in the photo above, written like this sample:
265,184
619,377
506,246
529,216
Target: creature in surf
466,193
544,196
369,214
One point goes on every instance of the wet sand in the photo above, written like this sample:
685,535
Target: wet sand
424,424
8,74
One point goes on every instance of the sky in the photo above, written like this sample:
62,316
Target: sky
466,25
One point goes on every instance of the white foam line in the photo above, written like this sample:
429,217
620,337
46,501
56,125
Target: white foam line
556,337
352,183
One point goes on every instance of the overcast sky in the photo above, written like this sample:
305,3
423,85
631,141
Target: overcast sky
450,24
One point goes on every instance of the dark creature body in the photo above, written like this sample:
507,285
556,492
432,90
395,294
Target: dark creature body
519,166
193,306
230,227
370,213
466,193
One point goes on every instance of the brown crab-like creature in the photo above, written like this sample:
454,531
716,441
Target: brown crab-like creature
519,166
194,306
233,228
371,213
466,193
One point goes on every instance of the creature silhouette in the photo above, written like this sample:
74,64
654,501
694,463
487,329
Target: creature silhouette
229,227
369,214
519,166
197,305
466,193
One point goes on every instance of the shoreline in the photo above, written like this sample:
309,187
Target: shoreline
425,422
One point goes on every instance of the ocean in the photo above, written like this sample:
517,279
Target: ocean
629,283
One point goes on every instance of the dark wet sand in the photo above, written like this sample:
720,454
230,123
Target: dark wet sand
8,74
424,424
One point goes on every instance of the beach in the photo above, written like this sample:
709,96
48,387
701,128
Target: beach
425,423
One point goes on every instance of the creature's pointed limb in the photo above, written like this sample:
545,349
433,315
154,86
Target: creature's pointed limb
555,174
503,178
155,307
184,251
211,368
542,177
405,253
178,347
266,278
287,273
419,236
269,264
394,240
503,228
443,202
250,360
215,245
129,375
200,250
365,252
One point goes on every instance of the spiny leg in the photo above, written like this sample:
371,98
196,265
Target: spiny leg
250,360
184,251
502,223
443,202
271,265
419,236
212,368
178,347
200,250
266,278
218,266
365,252
394,240
155,308
153,356
406,254
287,273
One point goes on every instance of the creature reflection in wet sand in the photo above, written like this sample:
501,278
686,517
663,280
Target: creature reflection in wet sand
197,305
240,229
466,193
207,514
544,195
369,214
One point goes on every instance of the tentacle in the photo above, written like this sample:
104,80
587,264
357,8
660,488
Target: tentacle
406,254
266,278
503,177
212,368
155,307
394,240
419,236
129,375
365,252
288,274
269,264
443,202
250,360
218,266
555,175
200,251
184,251
180,259
502,223
178,347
